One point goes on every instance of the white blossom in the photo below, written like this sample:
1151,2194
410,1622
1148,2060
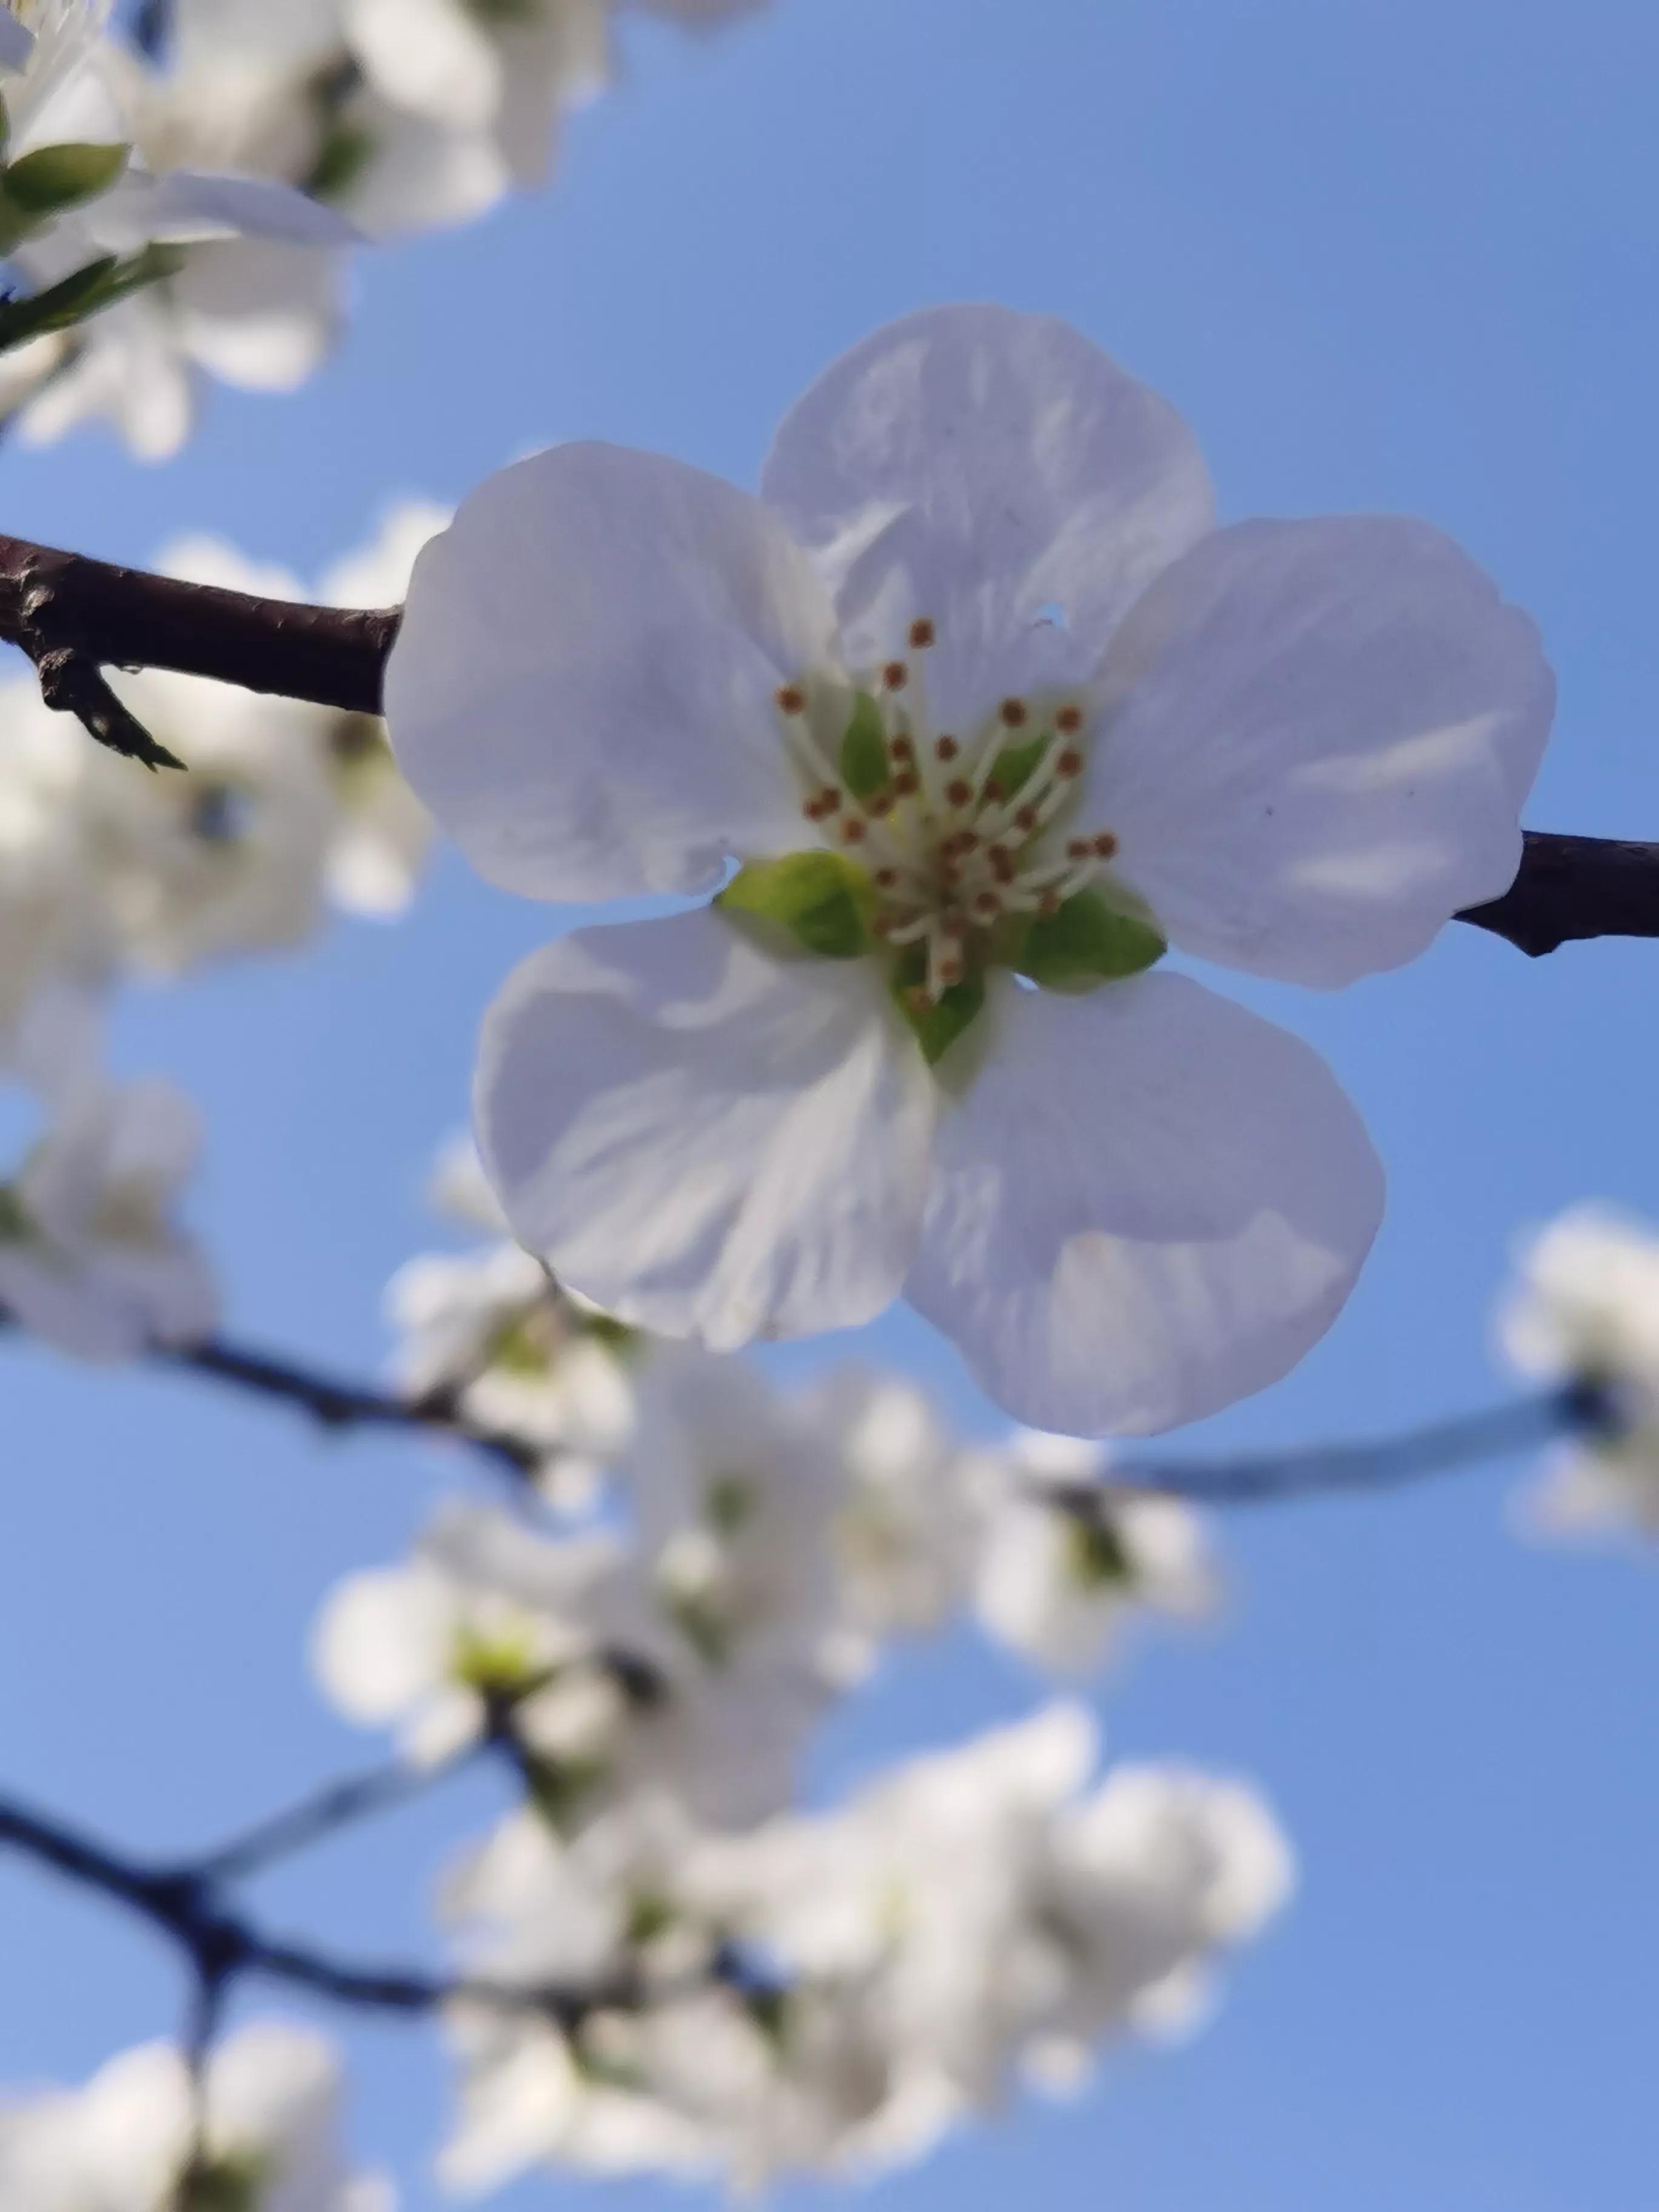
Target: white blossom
977,689
269,2139
1060,1582
485,1615
1585,1309
903,1538
90,1257
868,1976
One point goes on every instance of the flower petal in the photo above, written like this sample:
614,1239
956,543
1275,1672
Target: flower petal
1316,741
703,1139
582,688
997,473
1147,1204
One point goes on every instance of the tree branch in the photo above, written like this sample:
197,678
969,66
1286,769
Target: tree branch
74,616
113,617
337,1404
1380,1463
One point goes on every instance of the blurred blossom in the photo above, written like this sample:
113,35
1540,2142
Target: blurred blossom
1585,1309
833,1991
1066,1564
127,2141
90,1257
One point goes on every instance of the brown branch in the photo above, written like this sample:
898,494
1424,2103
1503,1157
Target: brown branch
111,617
74,616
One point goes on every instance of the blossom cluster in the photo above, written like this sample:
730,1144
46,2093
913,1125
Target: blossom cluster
255,147
109,873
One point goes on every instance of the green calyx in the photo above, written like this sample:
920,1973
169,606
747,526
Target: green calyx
1085,942
232,2183
816,902
938,1022
1095,1555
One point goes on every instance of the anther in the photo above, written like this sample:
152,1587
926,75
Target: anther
907,783
1049,902
852,830
987,902
886,878
950,971
959,792
1069,721
1026,819
792,700
1105,845
902,749
1013,713
1002,864
1070,763
945,749
896,675
994,794
922,635
1078,848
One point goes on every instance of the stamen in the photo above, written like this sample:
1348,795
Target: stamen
791,699
894,676
945,748
1069,721
1105,846
922,635
1013,713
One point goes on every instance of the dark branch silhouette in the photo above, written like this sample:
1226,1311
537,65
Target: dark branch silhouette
75,617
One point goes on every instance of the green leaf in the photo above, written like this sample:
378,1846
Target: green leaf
938,1022
53,178
864,766
823,901
1013,764
86,292
1087,942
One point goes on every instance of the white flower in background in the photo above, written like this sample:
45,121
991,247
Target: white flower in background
508,73
90,1258
249,291
459,1188
123,2142
1586,1310
486,1617
225,859
833,1990
977,691
54,936
1061,1582
381,834
735,1492
903,1536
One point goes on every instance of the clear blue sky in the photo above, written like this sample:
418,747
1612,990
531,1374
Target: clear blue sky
1385,254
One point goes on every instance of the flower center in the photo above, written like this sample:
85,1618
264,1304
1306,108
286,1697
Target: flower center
949,854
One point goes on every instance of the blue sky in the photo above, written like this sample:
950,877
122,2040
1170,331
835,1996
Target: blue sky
1387,255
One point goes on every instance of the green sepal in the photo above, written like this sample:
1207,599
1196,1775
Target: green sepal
938,1022
54,178
86,292
822,901
5,127
864,765
345,152
1095,1554
1087,942
1013,765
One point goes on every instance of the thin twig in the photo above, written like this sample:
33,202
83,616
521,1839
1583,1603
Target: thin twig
339,1405
1379,1463
222,1945
324,1812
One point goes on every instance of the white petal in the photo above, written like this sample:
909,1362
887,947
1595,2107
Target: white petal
1147,1204
381,1642
1318,740
428,55
582,688
185,206
997,473
702,1139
